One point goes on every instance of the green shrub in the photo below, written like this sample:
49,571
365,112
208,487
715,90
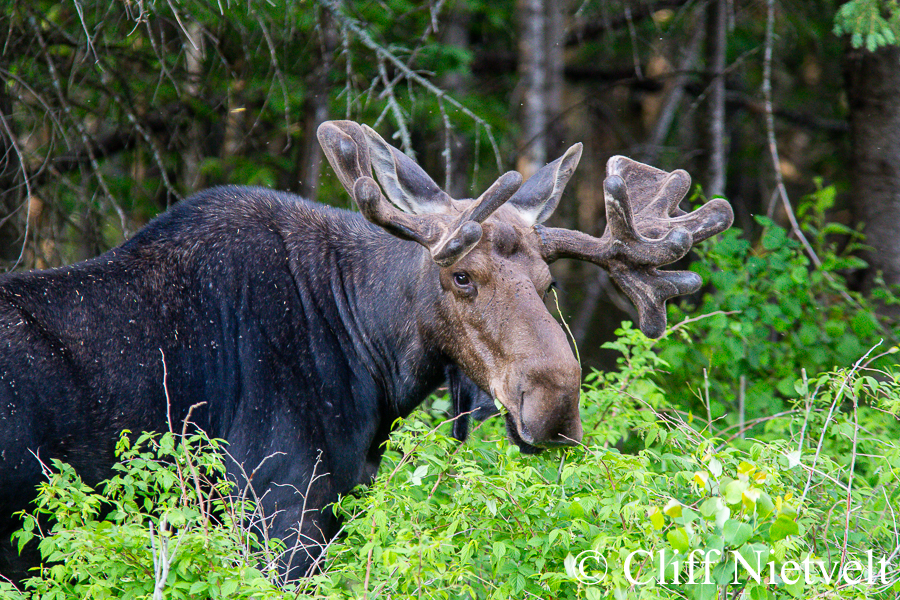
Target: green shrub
164,523
477,520
767,317
481,521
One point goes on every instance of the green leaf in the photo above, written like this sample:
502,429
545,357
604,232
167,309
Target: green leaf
782,527
569,563
755,557
711,507
736,533
229,587
764,505
734,491
198,587
678,539
499,550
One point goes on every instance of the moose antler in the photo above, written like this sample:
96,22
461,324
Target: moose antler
346,145
645,229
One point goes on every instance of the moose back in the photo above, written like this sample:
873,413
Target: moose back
308,330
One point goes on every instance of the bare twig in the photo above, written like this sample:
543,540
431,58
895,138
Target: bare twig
700,318
780,190
741,430
183,28
166,390
273,59
394,106
353,26
717,25
303,510
22,167
850,476
87,35
635,57
160,560
837,399
673,99
201,499
369,564
79,125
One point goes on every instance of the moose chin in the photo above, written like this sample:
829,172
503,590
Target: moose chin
307,331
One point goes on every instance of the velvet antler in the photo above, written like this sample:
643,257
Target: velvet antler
347,146
645,229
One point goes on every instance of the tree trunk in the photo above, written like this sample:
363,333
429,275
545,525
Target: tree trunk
317,110
540,70
456,33
12,190
872,80
195,54
717,25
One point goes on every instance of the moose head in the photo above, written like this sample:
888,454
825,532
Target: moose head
487,264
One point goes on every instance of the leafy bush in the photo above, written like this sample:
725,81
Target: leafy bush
767,317
478,520
165,522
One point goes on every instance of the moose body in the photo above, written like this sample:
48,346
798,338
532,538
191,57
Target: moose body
307,331
297,324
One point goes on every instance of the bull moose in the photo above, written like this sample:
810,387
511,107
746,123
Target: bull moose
309,330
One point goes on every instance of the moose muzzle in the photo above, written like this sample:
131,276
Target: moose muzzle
548,412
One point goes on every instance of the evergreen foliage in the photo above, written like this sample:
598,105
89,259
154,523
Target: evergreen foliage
869,23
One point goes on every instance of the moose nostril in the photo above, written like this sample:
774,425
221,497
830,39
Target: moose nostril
550,423
525,434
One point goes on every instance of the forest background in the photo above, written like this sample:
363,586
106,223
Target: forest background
111,111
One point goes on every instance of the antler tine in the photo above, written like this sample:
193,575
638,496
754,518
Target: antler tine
496,195
645,229
465,232
346,145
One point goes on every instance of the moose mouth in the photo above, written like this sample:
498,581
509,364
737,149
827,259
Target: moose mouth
512,432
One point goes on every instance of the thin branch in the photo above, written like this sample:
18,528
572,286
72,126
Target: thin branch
700,318
154,149
834,404
850,476
673,99
79,125
353,26
90,43
399,117
717,26
183,28
273,59
448,142
780,190
636,59
15,145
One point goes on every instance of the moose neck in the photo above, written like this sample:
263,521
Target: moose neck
384,294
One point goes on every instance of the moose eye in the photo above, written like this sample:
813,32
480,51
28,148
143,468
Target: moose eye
461,279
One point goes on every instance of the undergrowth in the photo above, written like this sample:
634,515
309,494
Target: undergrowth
656,503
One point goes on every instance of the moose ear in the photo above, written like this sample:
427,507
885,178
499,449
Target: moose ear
539,197
404,182
467,400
